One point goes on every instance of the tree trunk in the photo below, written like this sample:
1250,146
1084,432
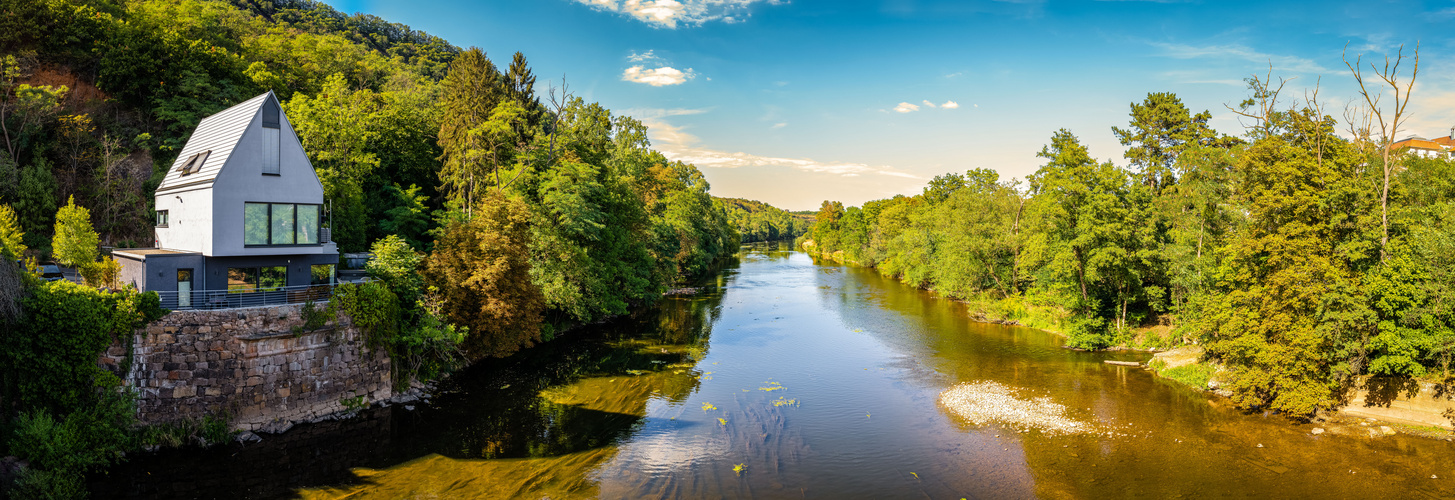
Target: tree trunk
1080,272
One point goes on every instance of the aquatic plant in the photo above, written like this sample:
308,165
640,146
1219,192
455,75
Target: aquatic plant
708,406
739,468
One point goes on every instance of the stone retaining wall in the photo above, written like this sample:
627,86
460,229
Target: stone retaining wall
253,364
1410,402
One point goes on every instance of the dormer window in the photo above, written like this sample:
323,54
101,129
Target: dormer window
272,130
194,162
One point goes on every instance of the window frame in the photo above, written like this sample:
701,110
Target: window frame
164,218
194,163
269,223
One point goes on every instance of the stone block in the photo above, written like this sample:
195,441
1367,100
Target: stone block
184,391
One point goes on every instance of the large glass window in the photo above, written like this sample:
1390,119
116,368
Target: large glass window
270,151
283,224
256,279
323,274
242,279
255,224
280,224
308,224
272,278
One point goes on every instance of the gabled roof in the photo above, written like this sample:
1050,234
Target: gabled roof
219,134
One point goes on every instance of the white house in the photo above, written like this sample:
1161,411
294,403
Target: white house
240,212
1439,147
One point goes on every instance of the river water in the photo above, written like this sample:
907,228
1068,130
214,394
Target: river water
790,378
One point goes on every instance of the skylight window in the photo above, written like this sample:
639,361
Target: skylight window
194,162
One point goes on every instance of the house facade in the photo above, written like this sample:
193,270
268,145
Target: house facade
240,212
1439,147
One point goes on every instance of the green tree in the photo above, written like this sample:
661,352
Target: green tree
396,264
1093,224
37,201
1289,308
471,93
75,243
409,218
24,108
481,268
1160,130
12,238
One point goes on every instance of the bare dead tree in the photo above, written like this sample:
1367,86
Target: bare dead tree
1311,103
1262,106
1387,120
555,108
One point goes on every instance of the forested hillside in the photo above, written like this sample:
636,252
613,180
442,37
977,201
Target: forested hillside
407,133
1270,249
758,221
498,212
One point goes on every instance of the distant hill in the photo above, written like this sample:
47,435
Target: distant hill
758,221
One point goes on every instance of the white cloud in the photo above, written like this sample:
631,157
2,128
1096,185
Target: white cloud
677,144
668,13
778,125
1235,51
645,56
928,103
905,107
657,77
950,105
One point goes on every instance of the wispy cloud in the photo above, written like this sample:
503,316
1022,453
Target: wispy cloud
778,125
1196,77
677,144
905,107
672,13
657,77
1240,52
659,113
644,56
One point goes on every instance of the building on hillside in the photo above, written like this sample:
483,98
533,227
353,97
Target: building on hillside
240,217
1439,147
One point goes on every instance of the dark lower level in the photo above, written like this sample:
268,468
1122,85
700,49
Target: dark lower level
185,278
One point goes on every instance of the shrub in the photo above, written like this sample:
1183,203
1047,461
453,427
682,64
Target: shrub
396,265
1088,333
101,274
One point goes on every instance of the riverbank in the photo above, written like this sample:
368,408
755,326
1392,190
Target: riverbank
1415,408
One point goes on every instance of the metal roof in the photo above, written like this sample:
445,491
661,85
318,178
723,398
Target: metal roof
218,133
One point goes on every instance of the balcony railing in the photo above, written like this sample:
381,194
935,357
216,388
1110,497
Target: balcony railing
223,299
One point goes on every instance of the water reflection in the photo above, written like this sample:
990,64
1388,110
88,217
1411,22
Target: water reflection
667,404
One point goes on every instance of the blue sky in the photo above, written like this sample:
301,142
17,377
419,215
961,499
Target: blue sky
795,102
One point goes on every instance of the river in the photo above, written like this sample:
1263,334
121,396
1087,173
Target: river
790,378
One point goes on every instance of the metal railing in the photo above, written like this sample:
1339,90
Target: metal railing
224,299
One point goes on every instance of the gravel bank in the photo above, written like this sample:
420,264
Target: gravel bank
986,402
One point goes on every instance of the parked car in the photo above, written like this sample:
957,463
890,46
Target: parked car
50,272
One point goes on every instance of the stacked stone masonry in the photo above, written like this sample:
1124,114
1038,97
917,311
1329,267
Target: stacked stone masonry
254,364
